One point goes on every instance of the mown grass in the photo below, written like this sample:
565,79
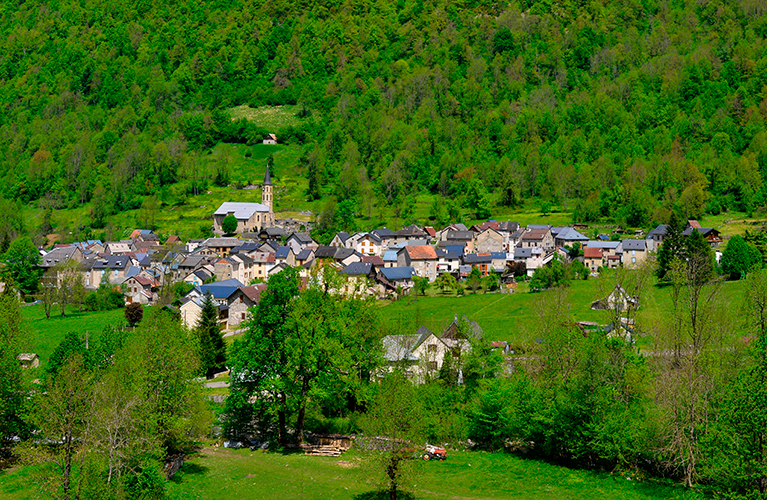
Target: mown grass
45,334
245,475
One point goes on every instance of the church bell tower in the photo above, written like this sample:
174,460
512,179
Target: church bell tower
266,192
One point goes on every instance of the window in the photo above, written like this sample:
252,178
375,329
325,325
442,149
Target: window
432,348
633,260
243,316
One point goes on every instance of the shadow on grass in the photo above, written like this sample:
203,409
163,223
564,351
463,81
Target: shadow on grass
383,495
188,469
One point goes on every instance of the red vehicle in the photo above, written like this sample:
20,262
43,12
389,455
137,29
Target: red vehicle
434,452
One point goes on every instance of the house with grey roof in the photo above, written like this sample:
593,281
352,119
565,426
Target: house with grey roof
422,354
300,241
634,252
568,236
250,216
340,240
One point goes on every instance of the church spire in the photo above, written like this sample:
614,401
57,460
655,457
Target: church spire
267,197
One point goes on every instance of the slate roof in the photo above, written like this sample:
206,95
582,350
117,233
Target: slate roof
272,232
343,253
302,237
508,226
304,254
58,256
398,348
220,289
247,246
411,230
397,273
661,230
477,258
634,245
526,253
611,245
460,235
268,176
343,236
241,211
372,236
702,230
222,242
570,234
112,262
383,232
203,274
282,252
358,269
325,252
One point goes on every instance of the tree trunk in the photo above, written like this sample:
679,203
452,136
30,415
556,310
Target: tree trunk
281,421
302,411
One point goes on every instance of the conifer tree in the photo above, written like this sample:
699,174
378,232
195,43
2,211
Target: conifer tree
671,247
212,348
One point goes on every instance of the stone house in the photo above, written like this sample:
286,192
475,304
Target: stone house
593,258
489,240
634,252
423,259
538,238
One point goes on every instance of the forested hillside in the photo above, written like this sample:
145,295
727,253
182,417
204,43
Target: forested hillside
615,110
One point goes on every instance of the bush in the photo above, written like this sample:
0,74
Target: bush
229,225
134,313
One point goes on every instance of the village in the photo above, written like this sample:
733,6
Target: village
385,262
233,266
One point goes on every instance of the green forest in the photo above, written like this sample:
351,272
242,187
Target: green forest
618,111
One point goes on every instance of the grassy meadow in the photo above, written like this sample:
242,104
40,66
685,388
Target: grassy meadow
513,316
43,335
258,475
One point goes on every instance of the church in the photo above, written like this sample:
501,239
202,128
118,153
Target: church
251,217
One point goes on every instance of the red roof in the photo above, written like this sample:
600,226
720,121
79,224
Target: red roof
143,280
479,228
253,292
430,231
421,252
535,234
372,259
694,223
592,253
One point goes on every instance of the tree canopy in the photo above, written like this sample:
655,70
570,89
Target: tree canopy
621,112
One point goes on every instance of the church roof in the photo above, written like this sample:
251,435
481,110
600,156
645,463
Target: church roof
267,177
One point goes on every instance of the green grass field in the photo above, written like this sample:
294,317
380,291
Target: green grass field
513,317
45,334
257,475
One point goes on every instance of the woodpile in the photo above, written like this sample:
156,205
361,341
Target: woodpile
328,445
324,451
